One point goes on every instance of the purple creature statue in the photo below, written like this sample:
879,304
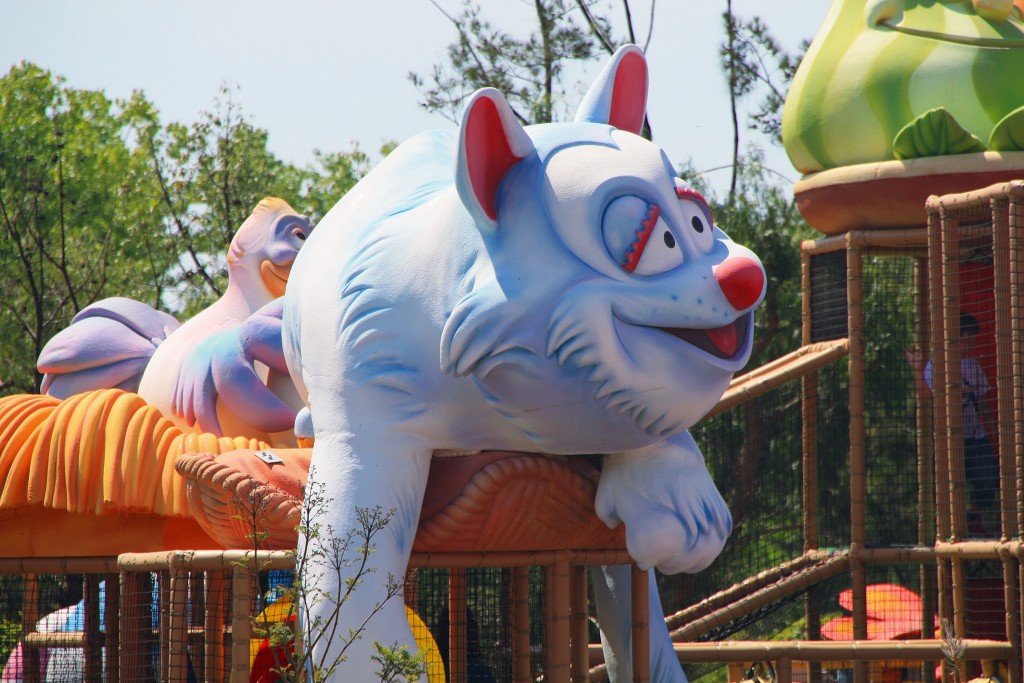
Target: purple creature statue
202,374
552,289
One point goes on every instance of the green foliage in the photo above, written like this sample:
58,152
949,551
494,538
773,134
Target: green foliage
323,552
207,177
397,663
100,198
10,634
65,212
953,652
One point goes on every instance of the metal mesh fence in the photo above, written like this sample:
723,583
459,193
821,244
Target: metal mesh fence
975,351
754,454
828,296
890,435
177,626
53,624
140,649
895,611
206,617
209,616
430,599
833,450
484,601
984,600
973,473
903,489
902,604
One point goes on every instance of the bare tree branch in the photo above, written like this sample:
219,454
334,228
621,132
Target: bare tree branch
182,229
730,29
629,21
650,27
594,28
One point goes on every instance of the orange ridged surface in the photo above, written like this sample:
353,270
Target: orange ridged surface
99,453
494,501
523,502
21,417
108,457
225,492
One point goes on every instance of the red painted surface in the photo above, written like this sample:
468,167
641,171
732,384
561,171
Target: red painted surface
725,339
688,193
893,612
269,661
741,280
629,95
488,153
643,234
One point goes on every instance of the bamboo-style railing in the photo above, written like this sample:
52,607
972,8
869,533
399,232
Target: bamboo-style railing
942,497
566,652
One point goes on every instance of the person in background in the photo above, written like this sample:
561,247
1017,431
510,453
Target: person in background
981,467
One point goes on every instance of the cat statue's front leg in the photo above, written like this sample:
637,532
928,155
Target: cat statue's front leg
614,604
365,492
676,520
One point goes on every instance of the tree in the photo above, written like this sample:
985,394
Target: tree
208,177
99,198
753,61
66,211
290,641
528,71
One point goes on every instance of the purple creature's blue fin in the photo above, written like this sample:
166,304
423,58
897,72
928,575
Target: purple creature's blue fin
107,345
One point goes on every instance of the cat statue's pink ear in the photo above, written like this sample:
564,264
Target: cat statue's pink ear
491,142
619,95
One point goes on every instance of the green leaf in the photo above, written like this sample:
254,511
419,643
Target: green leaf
935,133
1008,134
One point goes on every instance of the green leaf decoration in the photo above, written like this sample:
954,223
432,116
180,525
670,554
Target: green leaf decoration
1008,135
935,133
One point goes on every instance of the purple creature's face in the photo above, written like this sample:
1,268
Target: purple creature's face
265,246
286,237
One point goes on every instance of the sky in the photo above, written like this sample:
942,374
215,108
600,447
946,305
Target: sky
327,75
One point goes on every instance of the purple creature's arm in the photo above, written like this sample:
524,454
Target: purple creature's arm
222,369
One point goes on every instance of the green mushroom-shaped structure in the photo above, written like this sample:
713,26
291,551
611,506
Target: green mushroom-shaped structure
934,86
